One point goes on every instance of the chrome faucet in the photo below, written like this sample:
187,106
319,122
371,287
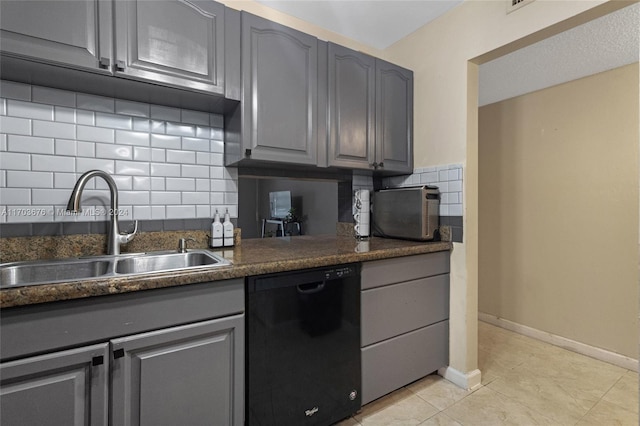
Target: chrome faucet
115,238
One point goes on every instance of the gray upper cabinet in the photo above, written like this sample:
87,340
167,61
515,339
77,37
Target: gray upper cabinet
394,117
177,43
370,104
74,33
61,388
280,92
351,99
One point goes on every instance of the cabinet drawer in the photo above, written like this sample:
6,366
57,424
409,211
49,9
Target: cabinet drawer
396,270
396,309
393,363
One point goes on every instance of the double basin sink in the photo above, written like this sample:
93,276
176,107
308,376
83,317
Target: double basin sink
18,274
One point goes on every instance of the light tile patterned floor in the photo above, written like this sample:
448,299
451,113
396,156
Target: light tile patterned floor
524,382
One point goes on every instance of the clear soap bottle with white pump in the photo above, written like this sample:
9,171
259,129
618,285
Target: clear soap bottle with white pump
227,227
216,231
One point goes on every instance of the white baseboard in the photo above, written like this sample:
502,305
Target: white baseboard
469,381
572,345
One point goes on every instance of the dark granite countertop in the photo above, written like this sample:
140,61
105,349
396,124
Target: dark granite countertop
253,257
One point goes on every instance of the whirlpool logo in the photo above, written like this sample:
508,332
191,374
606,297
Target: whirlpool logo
311,412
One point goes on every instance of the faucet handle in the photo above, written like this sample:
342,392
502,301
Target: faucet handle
182,244
125,237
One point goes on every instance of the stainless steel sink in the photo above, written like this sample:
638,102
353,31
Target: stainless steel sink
19,274
166,262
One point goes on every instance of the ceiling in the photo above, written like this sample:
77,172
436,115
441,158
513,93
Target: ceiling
376,23
605,43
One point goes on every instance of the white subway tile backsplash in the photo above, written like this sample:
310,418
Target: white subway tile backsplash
178,212
442,186
52,163
163,113
64,115
15,196
134,197
14,125
53,129
132,138
203,185
166,170
180,184
158,155
165,161
455,186
443,175
23,179
95,103
141,154
13,90
158,184
117,152
195,144
195,171
180,129
84,117
141,183
455,210
132,168
86,149
181,157
29,214
86,164
65,180
203,158
203,132
33,145
136,109
114,121
47,95
32,110
141,124
95,134
50,196
217,146
166,141
165,198
195,117
195,198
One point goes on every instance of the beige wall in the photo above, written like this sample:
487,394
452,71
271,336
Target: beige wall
558,209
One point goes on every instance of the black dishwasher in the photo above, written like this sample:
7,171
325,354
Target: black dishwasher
303,347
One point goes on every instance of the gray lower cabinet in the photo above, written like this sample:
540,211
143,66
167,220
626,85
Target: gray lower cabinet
62,388
405,312
280,93
70,33
172,356
178,376
177,43
370,103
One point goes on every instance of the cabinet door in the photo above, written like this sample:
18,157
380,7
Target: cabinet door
75,33
61,388
351,101
174,42
280,92
394,117
187,375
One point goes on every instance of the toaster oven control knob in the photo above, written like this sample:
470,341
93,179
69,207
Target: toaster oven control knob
353,395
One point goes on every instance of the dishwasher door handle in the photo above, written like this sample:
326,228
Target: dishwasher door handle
310,288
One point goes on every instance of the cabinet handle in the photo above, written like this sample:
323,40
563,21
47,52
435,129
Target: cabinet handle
374,165
120,65
247,153
381,164
97,360
118,353
104,63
